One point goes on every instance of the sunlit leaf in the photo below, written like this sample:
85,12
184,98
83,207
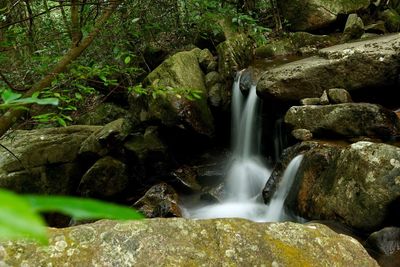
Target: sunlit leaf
127,60
19,220
61,121
8,96
82,208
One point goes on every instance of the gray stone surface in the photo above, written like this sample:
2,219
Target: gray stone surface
183,242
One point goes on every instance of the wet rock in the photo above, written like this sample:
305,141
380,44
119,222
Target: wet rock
171,92
316,14
187,176
106,178
372,63
324,100
376,28
143,145
276,176
294,43
43,160
353,184
302,134
339,96
205,59
212,78
349,120
102,115
106,138
215,95
161,200
183,242
385,241
310,101
392,20
354,28
234,54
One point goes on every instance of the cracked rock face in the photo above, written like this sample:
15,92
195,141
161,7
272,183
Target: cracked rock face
183,242
315,14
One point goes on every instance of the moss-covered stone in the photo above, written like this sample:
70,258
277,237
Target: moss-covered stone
349,120
182,242
234,54
43,160
316,14
372,63
354,28
294,43
176,78
392,20
106,178
353,184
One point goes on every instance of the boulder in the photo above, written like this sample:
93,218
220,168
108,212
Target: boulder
339,96
372,64
294,43
205,59
43,161
183,242
354,28
316,14
106,138
392,20
106,178
234,54
385,241
160,200
355,184
169,96
349,120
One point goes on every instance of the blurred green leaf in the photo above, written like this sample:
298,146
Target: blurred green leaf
127,60
9,96
82,208
19,220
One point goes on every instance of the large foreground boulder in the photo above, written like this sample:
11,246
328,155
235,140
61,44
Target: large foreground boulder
43,160
315,14
355,184
182,242
348,119
370,64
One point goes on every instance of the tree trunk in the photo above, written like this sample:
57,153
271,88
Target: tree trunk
76,34
11,116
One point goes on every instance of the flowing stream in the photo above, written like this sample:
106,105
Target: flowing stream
247,175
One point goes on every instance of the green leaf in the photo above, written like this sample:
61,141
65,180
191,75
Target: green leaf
61,121
127,60
19,220
8,96
80,208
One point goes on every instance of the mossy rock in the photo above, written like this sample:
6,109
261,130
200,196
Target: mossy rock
183,242
170,99
316,14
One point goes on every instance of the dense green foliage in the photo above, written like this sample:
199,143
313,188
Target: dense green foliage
34,35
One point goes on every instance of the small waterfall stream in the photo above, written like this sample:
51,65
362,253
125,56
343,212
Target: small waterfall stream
247,175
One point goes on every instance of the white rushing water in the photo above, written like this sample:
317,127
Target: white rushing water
247,175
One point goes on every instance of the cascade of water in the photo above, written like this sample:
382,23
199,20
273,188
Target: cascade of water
276,210
247,175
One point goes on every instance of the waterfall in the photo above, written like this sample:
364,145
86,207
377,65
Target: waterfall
276,210
247,175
